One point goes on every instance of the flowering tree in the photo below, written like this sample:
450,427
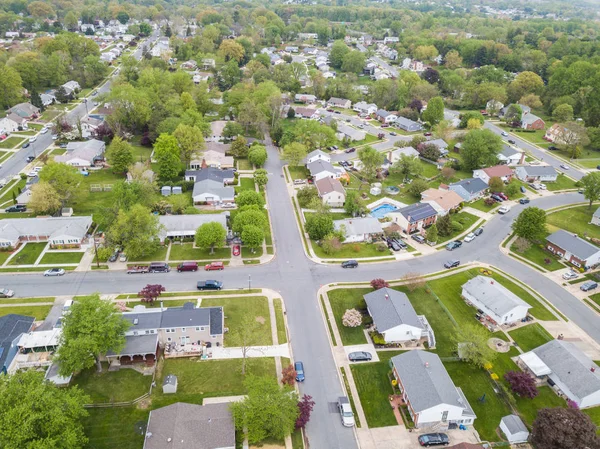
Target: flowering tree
288,375
352,318
305,405
379,283
522,384
150,292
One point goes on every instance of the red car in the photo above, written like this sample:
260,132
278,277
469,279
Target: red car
385,125
236,250
427,134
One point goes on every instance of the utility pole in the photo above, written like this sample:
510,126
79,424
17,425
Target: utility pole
249,282
96,251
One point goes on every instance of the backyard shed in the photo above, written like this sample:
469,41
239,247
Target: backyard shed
165,190
513,428
170,384
176,190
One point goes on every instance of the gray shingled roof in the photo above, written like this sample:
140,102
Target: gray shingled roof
417,211
319,166
471,185
11,326
186,316
539,170
493,295
215,174
359,226
390,308
183,426
426,382
514,424
580,248
138,344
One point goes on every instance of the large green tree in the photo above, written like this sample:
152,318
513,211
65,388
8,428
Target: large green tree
354,62
257,155
250,215
434,112
371,161
252,236
210,235
319,225
248,197
168,156
119,155
408,166
36,414
338,51
354,204
294,153
11,87
590,184
480,149
472,342
136,230
65,180
531,224
191,142
90,329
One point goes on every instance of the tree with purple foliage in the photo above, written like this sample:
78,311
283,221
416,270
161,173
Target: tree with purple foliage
305,405
104,132
522,384
416,104
561,428
572,404
430,75
379,283
151,292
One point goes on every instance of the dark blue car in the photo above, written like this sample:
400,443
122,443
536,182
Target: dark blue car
299,367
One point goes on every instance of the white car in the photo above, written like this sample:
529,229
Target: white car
43,130
469,238
123,257
37,169
345,411
54,137
504,134
32,174
32,139
54,272
564,167
503,210
569,275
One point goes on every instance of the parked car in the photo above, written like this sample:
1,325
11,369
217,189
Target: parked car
32,174
470,237
30,158
504,134
512,142
214,266
564,166
54,272
16,208
504,210
114,256
298,182
569,275
393,245
350,264
524,200
209,285
502,195
159,267
236,250
434,439
418,238
62,145
393,134
137,269
553,148
187,266
345,411
453,245
32,139
589,285
26,145
478,231
43,130
496,197
452,264
6,293
523,189
385,125
360,356
299,367
123,257
427,134
350,150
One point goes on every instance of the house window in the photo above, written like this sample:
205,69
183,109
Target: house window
445,416
169,339
183,329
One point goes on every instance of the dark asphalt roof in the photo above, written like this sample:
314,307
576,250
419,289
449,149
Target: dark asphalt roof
390,308
471,185
211,173
418,211
580,248
11,326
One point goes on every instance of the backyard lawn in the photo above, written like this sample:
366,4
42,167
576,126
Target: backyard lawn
539,256
576,220
341,300
186,251
245,184
159,255
298,171
351,251
235,309
562,183
374,388
480,205
114,386
28,254
38,312
62,257
140,153
11,142
112,427
244,164
531,336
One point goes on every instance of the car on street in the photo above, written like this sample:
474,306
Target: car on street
552,148
337,112
469,238
524,201
43,130
393,134
214,266
32,174
427,134
569,275
236,250
6,293
54,272
451,263
434,439
478,231
26,145
30,158
453,245
418,238
345,411
504,209
54,137
589,285
299,368
16,208
350,150
94,93
209,285
504,134
350,264
385,125
564,166
512,142
360,356
32,139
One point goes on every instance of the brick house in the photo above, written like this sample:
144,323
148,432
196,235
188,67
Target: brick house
573,249
415,217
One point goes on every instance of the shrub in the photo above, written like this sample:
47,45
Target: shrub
378,339
367,320
356,248
352,318
522,384
457,226
379,283
489,201
362,305
522,244
381,247
331,245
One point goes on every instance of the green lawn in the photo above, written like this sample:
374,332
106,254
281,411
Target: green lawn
298,171
3,256
576,220
156,304
61,257
95,203
114,386
562,183
248,254
465,219
531,336
140,153
546,398
480,205
11,142
244,164
112,427
245,184
235,309
186,251
7,193
593,413
158,256
341,300
351,251
26,300
38,312
539,255
281,333
28,254
374,388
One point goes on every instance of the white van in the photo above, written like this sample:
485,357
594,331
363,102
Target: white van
67,305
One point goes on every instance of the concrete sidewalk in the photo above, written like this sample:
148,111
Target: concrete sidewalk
220,352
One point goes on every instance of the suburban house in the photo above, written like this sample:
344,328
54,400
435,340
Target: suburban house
362,107
524,109
216,131
565,368
348,132
317,155
182,226
307,36
573,249
47,99
339,103
8,125
514,429
408,125
536,173
183,426
307,113
395,318
358,229
83,154
291,49
443,201
183,329
331,192
499,304
497,171
431,396
25,110
224,176
440,144
305,98
511,156
320,169
391,39
385,116
58,231
469,189
213,156
559,134
211,185
200,77
394,155
12,326
493,106
596,217
531,121
71,87
414,217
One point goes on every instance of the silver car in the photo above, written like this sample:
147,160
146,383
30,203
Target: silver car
54,272
346,411
6,293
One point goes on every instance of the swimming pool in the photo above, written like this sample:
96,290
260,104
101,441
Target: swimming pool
382,210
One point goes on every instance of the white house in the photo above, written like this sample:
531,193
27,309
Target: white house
83,154
395,318
362,107
57,231
304,98
322,169
358,229
394,155
536,173
391,40
514,429
7,126
334,102
331,192
511,156
496,301
317,155
596,218
348,132
181,226
216,131
430,393
573,249
386,117
498,171
71,87
567,369
493,106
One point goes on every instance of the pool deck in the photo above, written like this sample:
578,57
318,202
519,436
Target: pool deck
385,200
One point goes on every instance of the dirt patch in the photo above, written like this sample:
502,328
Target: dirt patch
261,320
499,345
144,404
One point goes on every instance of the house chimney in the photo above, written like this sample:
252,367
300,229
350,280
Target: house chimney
427,365
387,296
593,369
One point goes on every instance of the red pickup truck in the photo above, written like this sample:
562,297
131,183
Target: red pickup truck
138,269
